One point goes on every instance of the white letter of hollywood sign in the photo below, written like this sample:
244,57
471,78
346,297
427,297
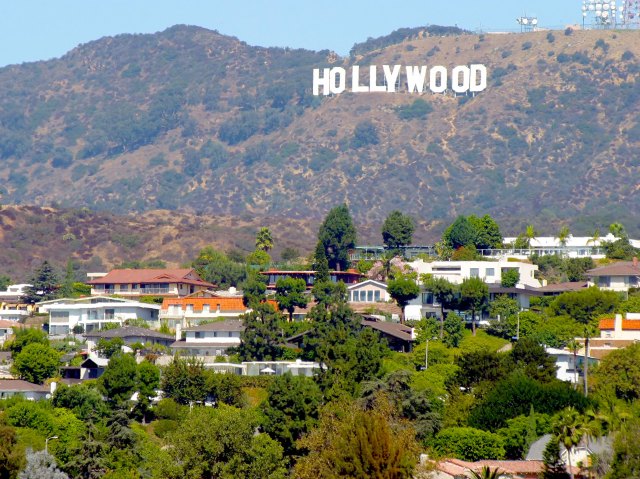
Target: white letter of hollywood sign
463,79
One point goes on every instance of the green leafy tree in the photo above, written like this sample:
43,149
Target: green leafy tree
618,230
222,443
402,290
259,258
338,235
397,230
585,307
148,380
66,290
510,278
36,362
119,380
453,330
264,240
12,457
291,410
25,336
84,401
444,292
469,444
618,374
44,284
184,380
321,264
327,293
460,233
216,267
226,389
5,281
487,233
474,296
261,339
626,457
108,347
475,367
290,292
530,357
289,254
530,234
253,290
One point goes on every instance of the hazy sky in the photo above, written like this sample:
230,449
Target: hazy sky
42,29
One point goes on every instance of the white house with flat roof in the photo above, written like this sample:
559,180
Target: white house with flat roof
92,313
208,340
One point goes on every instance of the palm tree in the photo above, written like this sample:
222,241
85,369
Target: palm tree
569,428
486,473
530,233
618,230
595,238
264,241
563,236
574,347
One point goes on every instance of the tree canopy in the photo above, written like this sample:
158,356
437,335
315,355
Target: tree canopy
397,230
337,235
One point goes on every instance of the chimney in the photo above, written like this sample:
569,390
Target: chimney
178,332
635,261
617,324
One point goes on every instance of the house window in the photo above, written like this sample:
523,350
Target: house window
354,296
491,272
369,296
604,281
427,297
474,272
377,296
363,296
205,308
109,313
215,334
199,334
189,308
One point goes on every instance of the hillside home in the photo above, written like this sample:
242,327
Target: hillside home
621,328
348,277
193,310
14,293
129,335
618,276
18,387
368,291
6,330
148,282
91,368
92,313
580,454
207,341
489,271
14,312
570,366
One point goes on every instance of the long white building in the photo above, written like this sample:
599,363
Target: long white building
92,313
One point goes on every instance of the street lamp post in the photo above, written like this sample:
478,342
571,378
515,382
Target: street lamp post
46,443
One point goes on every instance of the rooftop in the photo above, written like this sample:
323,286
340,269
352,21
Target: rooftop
621,268
127,332
18,385
138,276
228,325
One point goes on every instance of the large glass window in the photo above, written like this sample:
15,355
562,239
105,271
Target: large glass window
427,297
377,296
491,272
474,272
363,296
370,296
604,281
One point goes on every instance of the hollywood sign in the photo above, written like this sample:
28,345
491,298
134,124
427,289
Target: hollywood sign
462,79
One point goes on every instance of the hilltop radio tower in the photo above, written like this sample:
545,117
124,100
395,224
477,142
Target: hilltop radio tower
611,13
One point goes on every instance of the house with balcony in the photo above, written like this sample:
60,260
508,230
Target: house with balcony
132,283
489,271
14,293
349,277
92,313
7,329
129,335
618,276
193,310
207,341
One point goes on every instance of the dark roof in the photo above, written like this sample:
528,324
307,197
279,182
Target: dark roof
499,289
228,325
137,276
128,332
564,287
18,385
397,330
622,268
184,344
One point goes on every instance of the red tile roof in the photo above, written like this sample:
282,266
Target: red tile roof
227,305
138,276
627,324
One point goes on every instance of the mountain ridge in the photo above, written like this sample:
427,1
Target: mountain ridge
194,121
